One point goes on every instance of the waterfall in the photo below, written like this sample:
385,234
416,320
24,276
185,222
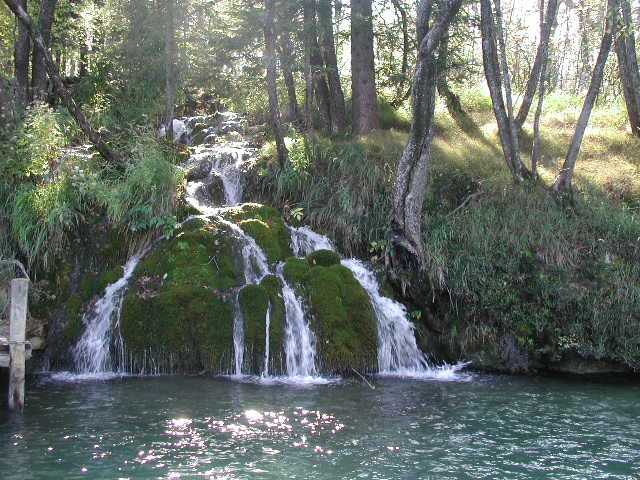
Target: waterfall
397,349
267,326
92,353
305,241
300,341
238,337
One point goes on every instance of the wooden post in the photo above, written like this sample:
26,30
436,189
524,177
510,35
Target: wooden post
17,327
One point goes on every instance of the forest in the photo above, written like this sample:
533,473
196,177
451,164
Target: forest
483,156
406,231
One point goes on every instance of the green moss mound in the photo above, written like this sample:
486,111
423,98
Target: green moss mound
266,226
323,258
295,270
254,301
180,307
343,320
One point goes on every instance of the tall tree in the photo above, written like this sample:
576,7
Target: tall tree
545,20
285,50
406,251
21,52
328,49
39,69
562,183
494,77
52,70
401,94
317,91
541,54
363,83
272,87
170,65
628,67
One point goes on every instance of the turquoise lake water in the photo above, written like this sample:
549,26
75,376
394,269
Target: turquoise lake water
214,428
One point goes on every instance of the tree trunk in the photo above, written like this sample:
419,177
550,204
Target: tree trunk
542,79
328,49
52,70
317,88
628,68
506,79
405,258
286,60
271,77
494,82
39,69
170,67
452,101
563,181
363,84
21,61
401,90
534,76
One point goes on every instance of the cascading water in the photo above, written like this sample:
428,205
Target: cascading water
305,241
397,348
267,327
300,342
92,353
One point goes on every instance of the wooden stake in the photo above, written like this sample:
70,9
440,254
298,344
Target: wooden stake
17,328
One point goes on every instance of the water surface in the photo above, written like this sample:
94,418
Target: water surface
176,427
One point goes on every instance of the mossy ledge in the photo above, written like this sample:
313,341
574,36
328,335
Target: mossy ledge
179,309
266,226
254,302
342,316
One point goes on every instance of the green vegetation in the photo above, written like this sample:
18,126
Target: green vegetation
503,259
180,308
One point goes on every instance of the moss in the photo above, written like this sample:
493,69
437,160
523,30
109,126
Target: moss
181,304
343,319
295,270
323,258
254,301
266,226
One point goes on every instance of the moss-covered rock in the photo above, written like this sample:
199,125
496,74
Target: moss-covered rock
323,258
266,226
179,309
295,270
255,301
342,318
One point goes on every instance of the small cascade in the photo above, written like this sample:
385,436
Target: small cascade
398,352
92,353
267,327
300,341
238,338
305,241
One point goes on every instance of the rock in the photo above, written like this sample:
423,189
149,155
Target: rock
210,139
234,137
215,189
200,171
254,301
179,310
323,258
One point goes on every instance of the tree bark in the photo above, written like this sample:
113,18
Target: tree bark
542,79
562,183
317,89
494,82
328,49
363,84
406,254
39,69
286,60
401,90
52,70
170,66
271,78
541,53
21,61
628,68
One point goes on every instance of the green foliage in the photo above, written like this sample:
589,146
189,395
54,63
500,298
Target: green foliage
323,258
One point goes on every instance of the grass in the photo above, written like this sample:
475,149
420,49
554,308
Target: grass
512,261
